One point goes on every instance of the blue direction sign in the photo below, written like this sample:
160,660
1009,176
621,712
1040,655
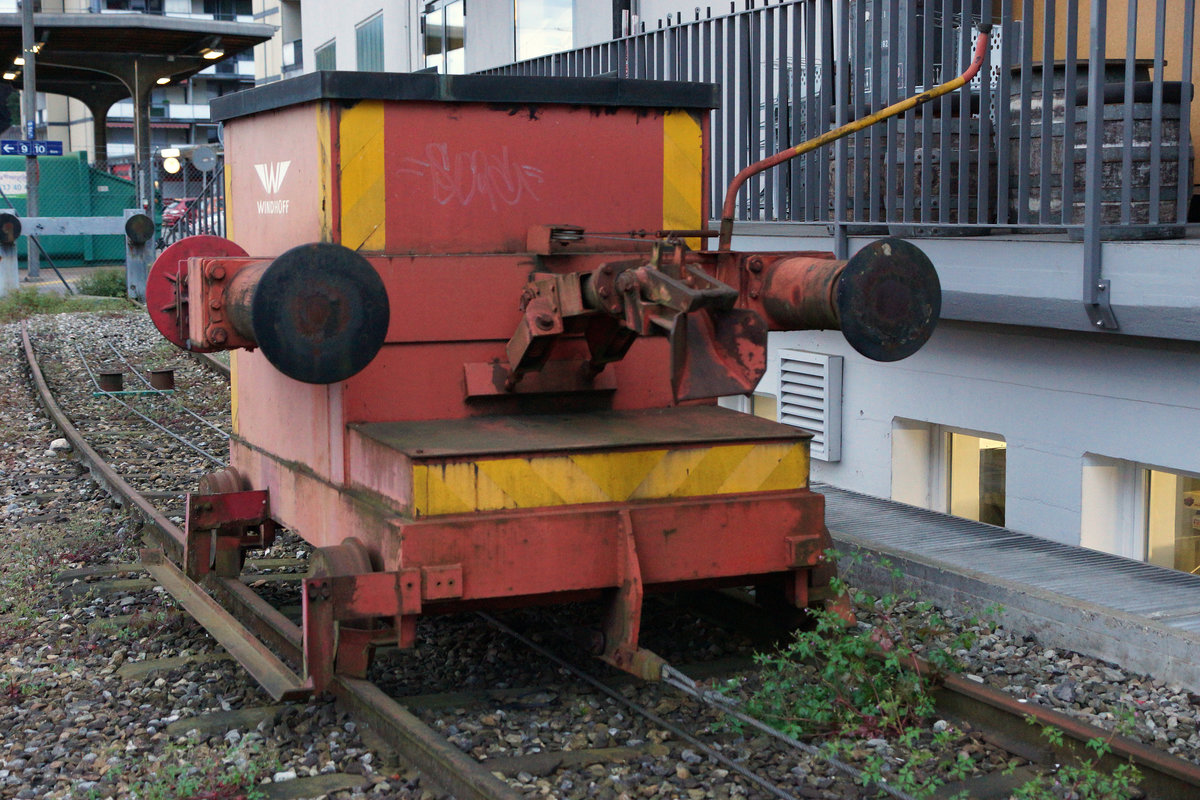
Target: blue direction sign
19,147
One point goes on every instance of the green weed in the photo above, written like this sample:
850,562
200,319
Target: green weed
103,283
28,301
191,772
1086,780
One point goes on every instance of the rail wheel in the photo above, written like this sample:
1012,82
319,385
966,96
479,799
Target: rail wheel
223,481
344,647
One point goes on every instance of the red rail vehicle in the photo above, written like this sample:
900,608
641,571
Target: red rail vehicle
477,344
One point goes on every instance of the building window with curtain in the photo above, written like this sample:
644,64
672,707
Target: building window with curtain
368,37
444,26
325,56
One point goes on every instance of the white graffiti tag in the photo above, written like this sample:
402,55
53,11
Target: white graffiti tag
477,176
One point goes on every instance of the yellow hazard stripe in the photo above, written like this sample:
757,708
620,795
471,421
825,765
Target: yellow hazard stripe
683,172
230,227
233,389
360,131
325,164
540,481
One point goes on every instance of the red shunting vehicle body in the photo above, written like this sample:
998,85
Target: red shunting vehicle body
477,346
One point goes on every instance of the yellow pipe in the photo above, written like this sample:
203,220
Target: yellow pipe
837,133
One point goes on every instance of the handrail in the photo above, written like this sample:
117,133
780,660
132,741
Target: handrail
207,207
736,184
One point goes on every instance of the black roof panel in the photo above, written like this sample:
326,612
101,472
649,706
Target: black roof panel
493,89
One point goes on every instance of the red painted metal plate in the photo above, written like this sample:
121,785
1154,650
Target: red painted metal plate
169,268
693,541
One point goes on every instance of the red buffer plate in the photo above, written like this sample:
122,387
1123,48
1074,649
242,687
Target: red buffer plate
167,306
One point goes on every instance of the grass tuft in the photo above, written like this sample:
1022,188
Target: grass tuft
28,301
103,283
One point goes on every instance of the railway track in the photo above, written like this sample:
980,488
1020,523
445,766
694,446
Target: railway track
534,720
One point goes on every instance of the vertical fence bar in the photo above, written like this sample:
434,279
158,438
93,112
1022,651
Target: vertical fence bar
661,60
1185,115
1127,122
789,111
841,82
732,68
705,55
825,107
945,120
859,79
907,187
807,95
1070,129
928,79
770,109
983,190
876,157
1047,127
1008,34
896,166
1095,289
1023,120
1156,115
746,96
963,162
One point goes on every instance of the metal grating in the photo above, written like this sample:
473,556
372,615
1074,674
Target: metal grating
1133,587
810,397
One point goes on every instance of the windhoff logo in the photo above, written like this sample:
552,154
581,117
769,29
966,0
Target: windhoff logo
271,177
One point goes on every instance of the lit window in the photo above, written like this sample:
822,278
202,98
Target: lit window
953,471
765,406
444,24
1173,520
976,477
542,26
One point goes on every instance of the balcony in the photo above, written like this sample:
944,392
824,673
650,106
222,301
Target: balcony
175,112
1075,218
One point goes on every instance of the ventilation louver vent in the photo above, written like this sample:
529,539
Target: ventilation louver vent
810,397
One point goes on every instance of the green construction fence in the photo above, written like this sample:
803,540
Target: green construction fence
69,187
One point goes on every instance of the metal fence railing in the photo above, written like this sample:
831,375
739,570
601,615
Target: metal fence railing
203,214
1045,139
68,187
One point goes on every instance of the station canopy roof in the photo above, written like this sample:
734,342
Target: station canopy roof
81,54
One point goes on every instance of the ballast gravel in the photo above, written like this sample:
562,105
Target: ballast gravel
77,720
80,715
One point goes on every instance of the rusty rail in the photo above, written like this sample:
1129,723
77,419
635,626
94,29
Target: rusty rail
1164,776
727,210
102,473
1002,717
413,741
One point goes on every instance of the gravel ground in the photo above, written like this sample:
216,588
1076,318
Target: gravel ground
73,724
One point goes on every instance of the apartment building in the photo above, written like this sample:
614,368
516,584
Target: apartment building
178,110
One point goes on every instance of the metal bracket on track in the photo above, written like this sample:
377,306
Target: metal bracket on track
275,677
333,647
623,620
219,527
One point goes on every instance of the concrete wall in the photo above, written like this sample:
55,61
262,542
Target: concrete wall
1055,398
490,35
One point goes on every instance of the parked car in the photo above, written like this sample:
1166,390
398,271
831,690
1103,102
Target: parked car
175,211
